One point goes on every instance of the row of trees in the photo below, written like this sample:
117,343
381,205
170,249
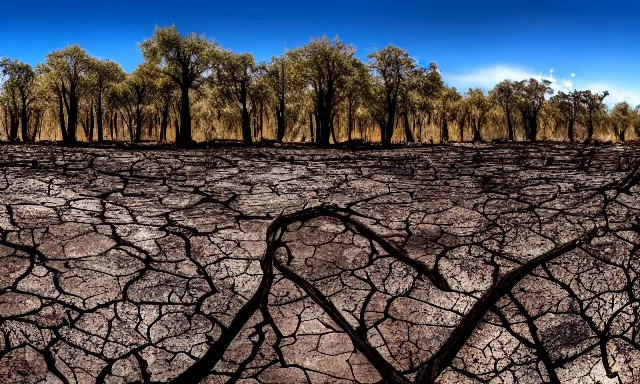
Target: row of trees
318,92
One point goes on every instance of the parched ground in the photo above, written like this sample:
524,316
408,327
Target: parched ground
506,263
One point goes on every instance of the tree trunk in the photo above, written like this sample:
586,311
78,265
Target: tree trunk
25,122
246,119
130,125
407,129
391,117
570,130
383,132
261,126
246,125
165,121
138,133
477,134
114,132
317,127
110,129
349,121
527,125
91,123
15,121
150,129
509,124
311,127
184,138
255,125
72,117
590,127
444,130
5,123
99,117
37,126
280,118
333,133
324,129
63,128
533,128
323,116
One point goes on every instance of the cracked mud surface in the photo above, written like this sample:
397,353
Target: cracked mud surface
501,263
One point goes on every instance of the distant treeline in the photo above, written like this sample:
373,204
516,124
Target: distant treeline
191,89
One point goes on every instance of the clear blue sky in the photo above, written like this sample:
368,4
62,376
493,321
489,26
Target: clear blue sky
582,44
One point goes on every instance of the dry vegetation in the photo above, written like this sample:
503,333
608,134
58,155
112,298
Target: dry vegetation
191,89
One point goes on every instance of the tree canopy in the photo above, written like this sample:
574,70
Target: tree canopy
191,89
184,59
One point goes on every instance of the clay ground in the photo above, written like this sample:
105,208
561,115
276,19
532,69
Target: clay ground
121,266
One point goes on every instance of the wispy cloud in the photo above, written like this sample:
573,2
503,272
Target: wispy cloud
564,85
616,94
567,83
486,78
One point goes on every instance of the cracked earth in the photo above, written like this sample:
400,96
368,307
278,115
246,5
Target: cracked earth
450,264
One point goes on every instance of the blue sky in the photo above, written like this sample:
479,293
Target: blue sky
583,44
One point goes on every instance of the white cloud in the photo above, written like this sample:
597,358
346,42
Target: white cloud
616,94
488,77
